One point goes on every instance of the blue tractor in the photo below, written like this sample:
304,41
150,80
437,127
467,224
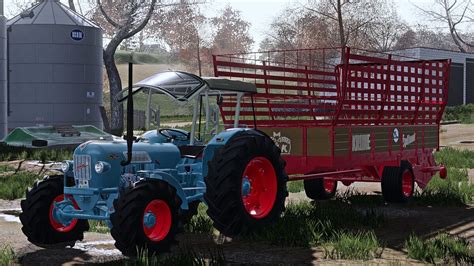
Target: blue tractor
145,188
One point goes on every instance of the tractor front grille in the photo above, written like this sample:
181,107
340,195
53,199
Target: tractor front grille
82,170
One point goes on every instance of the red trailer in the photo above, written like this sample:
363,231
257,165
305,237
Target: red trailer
343,115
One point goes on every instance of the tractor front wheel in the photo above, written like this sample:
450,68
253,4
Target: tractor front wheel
40,224
146,217
246,184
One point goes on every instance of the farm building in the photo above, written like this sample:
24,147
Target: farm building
55,68
461,84
3,74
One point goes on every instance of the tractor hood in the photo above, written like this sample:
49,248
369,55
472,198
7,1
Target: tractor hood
145,156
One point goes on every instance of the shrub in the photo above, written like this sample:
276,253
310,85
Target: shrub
14,186
7,255
463,113
443,248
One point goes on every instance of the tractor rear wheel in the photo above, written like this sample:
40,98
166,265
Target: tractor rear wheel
398,183
146,217
246,184
320,189
38,219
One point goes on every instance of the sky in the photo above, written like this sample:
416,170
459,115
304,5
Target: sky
260,13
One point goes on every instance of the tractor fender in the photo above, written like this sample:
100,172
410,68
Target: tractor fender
174,183
220,140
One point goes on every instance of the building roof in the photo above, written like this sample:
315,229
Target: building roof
50,12
426,53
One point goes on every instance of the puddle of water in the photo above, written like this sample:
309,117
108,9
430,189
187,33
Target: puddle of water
10,218
91,248
10,215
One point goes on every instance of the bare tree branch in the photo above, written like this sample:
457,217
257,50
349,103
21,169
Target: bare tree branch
144,21
106,16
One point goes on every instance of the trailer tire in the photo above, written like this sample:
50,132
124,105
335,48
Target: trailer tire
398,183
248,165
319,189
131,209
38,224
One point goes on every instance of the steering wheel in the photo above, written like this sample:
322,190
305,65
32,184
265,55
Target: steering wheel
167,133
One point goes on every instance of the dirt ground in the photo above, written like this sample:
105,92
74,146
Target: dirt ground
400,222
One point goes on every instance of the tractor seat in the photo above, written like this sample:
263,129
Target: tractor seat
191,151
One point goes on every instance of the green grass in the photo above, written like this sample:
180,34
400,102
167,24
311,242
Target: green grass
441,249
358,246
463,113
7,255
9,153
295,186
456,190
200,223
304,224
98,227
5,168
13,186
184,256
455,158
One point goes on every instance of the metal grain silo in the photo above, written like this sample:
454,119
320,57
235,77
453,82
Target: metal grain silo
55,64
3,74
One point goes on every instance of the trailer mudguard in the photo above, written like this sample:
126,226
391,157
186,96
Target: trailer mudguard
220,140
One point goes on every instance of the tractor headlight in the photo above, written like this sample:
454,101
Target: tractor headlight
101,167
65,166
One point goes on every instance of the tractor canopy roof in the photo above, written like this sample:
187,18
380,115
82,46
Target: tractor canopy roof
183,86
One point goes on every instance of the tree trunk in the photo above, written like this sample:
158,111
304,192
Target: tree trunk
72,6
115,84
342,37
199,55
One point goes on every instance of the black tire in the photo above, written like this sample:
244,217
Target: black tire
35,216
224,182
127,219
314,189
392,187
185,216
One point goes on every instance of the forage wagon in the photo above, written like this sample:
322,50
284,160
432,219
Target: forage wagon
318,115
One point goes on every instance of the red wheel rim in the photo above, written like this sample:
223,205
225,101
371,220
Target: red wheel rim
260,198
162,224
407,183
57,225
329,185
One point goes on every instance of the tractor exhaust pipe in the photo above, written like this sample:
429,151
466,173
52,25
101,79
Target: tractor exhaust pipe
129,135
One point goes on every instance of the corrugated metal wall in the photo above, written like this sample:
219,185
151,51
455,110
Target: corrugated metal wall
3,77
55,80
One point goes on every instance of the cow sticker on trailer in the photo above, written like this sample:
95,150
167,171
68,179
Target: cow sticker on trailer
283,142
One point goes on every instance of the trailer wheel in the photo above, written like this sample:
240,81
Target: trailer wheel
146,217
37,217
246,184
320,189
398,183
